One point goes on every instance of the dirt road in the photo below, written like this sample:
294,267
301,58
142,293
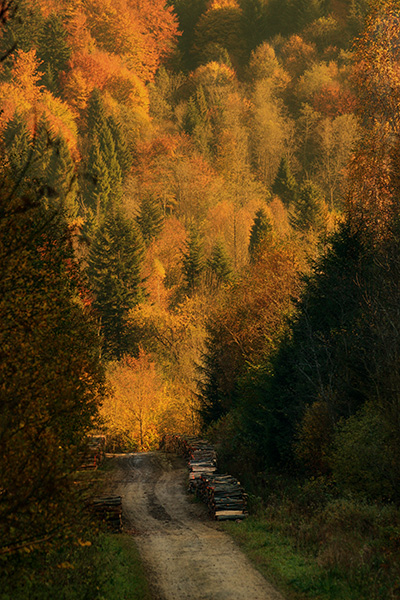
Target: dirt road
187,556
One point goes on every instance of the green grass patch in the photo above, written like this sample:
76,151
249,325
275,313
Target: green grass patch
295,572
126,577
108,567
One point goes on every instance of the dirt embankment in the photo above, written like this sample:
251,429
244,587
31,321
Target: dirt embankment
187,556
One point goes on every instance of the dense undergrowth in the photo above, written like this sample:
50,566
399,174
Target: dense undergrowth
315,544
87,562
103,566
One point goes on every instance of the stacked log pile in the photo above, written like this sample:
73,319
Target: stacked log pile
109,510
223,494
93,453
202,461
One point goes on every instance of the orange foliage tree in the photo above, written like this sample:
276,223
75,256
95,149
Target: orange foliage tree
245,331
374,174
118,47
142,404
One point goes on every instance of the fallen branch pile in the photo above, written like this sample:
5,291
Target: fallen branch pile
223,494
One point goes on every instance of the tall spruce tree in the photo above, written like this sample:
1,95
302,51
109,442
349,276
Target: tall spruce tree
115,278
18,146
103,177
261,232
308,208
193,263
98,184
62,175
150,218
53,51
122,150
219,264
306,11
197,121
188,13
284,184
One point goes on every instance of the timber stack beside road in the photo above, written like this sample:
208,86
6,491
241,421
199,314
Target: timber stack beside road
223,494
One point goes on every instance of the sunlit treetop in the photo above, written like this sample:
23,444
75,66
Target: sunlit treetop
24,94
377,72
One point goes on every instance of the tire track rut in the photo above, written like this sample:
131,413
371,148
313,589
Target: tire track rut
185,553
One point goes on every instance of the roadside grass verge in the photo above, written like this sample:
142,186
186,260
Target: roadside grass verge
296,574
108,567
339,550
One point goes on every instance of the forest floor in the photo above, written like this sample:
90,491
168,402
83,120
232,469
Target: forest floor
186,555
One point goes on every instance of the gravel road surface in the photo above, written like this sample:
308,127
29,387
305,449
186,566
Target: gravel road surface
186,554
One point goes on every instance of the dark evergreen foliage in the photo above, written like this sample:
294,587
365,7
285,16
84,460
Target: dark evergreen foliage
220,264
260,234
62,175
18,146
103,176
122,149
98,182
53,52
115,278
307,11
221,366
188,13
51,379
197,122
285,185
21,32
307,213
193,263
150,218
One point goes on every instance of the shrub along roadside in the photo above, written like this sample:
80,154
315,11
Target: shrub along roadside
83,563
338,550
106,567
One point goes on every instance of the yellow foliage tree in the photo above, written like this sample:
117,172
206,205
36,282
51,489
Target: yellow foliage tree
133,410
23,94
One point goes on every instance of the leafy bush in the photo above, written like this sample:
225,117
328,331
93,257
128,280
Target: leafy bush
362,456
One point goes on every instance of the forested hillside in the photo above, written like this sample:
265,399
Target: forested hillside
199,223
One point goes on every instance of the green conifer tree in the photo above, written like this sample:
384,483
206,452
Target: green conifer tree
307,11
98,185
193,263
255,22
29,157
50,374
21,31
62,175
197,121
109,155
18,147
188,13
219,264
54,51
284,184
308,208
122,150
96,113
192,116
150,218
115,277
103,186
261,232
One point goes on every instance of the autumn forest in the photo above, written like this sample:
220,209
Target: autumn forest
200,233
